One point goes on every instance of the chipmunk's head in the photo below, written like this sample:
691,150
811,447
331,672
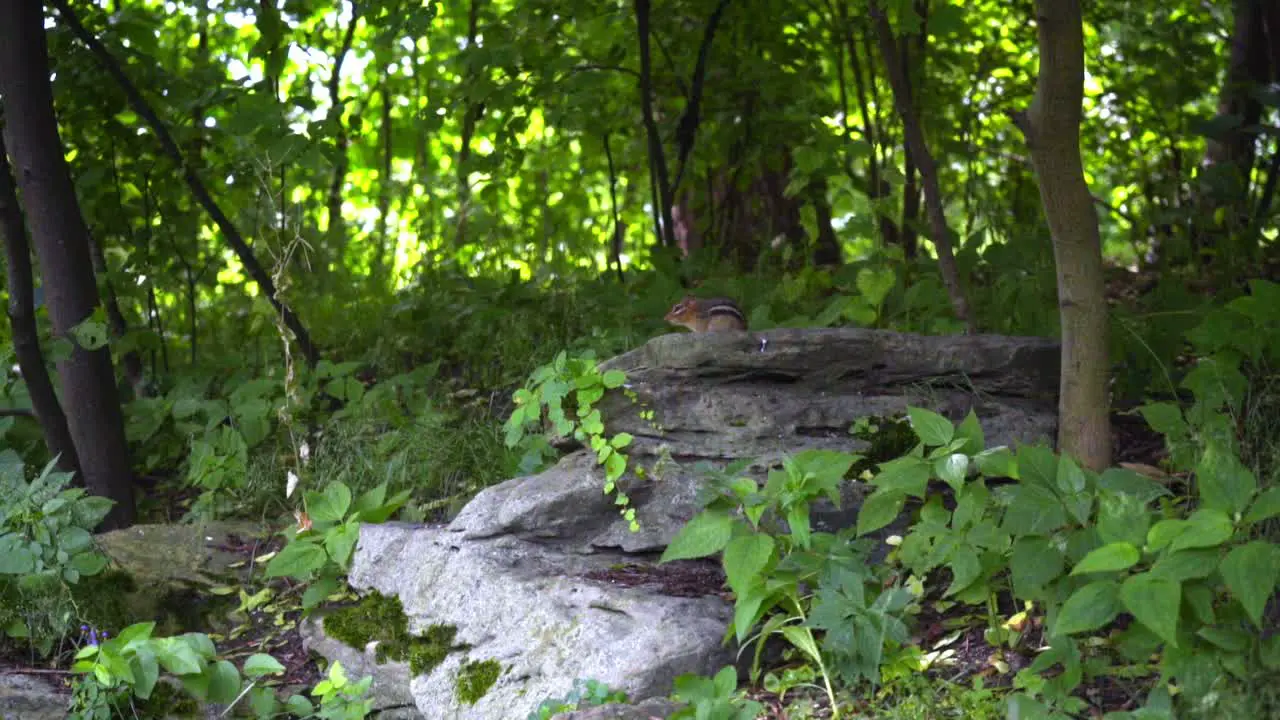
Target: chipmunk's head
682,312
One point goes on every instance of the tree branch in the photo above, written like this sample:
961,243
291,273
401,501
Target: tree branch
198,189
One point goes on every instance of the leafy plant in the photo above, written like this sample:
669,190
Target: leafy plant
115,671
46,546
563,394
769,566
321,547
585,693
714,698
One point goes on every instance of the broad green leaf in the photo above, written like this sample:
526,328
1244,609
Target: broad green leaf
1154,601
1251,572
1089,608
952,470
1034,563
879,509
298,559
1070,479
1205,528
1187,564
932,428
997,462
745,557
614,378
1037,465
1265,506
1224,482
331,505
965,568
1164,418
905,475
1108,558
224,682
259,664
1033,510
706,534
970,430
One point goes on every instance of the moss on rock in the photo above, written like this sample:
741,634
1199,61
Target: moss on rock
381,618
475,679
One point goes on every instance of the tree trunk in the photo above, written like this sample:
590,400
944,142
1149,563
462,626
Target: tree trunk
919,149
62,244
22,318
1052,129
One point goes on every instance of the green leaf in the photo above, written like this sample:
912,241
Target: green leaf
706,534
1034,563
340,542
298,559
798,522
1251,572
932,428
1089,608
331,505
745,557
259,664
1187,564
879,509
224,682
997,462
614,378
1033,510
965,568
178,657
89,563
1070,479
1164,418
146,672
906,475
1205,528
1108,558
1265,506
1224,482
970,430
1037,465
1154,601
952,469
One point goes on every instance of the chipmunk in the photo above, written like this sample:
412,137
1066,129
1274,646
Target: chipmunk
709,315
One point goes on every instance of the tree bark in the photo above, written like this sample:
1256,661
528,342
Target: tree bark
95,420
1052,129
919,149
22,318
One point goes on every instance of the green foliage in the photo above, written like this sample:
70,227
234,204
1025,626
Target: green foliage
715,698
46,549
563,396
771,556
320,551
584,694
45,527
115,673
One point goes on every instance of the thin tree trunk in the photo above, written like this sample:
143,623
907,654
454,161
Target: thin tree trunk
471,115
170,148
657,158
22,318
914,135
1052,129
94,418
